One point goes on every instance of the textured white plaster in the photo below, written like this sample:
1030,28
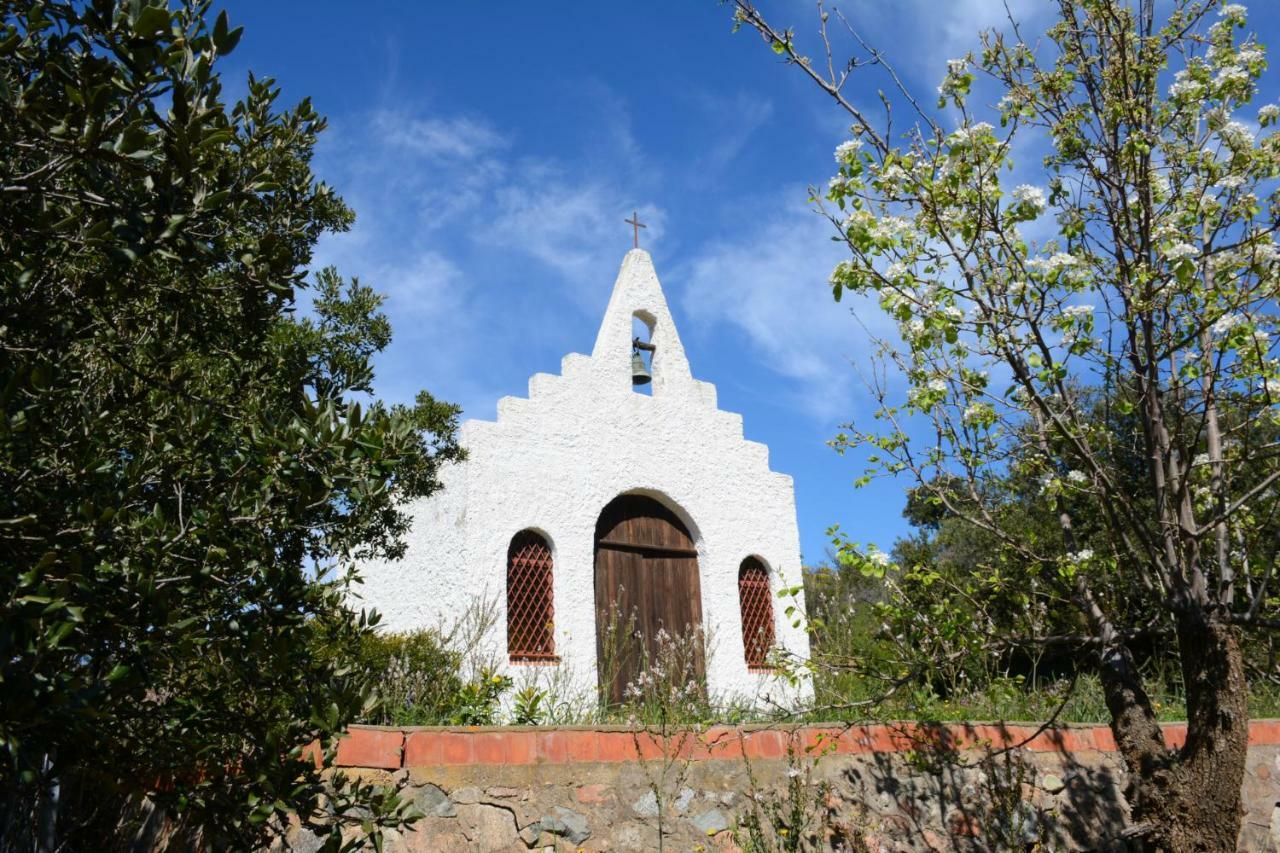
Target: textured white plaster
553,460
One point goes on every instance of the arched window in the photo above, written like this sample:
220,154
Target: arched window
757,612
530,604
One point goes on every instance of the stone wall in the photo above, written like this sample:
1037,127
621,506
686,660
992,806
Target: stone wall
903,787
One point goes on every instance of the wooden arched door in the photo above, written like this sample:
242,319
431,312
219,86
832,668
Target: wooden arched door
646,580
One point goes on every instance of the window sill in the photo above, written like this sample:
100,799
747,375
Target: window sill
534,660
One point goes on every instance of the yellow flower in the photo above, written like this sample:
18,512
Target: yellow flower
783,832
497,679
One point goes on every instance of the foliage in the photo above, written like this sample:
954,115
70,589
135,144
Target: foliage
1136,273
529,706
417,677
796,820
477,702
187,472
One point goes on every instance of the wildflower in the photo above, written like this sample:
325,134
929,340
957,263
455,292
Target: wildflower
1082,556
879,558
1029,195
793,772
845,150
1077,477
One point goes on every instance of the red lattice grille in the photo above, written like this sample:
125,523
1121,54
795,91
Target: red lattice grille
530,605
757,612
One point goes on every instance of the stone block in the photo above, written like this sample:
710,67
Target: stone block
433,802
647,805
592,794
712,822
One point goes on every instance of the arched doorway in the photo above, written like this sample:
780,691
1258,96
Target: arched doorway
646,580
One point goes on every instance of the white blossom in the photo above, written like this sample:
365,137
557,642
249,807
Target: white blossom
1078,477
893,174
968,133
1159,185
1270,112
1075,311
1231,74
1226,323
1184,86
1027,194
1053,263
1230,182
1233,11
845,150
840,272
1082,556
1236,134
1180,251
937,385
892,228
1249,54
976,412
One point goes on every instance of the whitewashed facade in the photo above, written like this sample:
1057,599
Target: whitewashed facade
552,460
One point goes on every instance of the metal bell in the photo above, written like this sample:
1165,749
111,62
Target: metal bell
639,373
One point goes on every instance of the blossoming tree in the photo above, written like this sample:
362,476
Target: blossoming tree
1133,268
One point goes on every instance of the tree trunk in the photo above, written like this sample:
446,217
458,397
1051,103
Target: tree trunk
1189,799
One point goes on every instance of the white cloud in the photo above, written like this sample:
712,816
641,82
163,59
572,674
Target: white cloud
456,138
574,226
771,284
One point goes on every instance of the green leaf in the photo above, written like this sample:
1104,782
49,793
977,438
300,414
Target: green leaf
151,21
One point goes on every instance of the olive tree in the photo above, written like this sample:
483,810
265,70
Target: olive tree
1130,268
189,467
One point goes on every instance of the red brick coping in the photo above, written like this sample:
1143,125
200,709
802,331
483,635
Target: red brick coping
380,747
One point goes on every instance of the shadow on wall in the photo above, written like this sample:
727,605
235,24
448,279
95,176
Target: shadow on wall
937,796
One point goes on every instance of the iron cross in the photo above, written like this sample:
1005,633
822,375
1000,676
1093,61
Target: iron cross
636,225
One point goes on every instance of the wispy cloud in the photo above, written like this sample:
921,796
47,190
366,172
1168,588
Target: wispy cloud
771,285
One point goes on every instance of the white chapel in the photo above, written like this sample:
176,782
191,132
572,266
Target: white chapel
617,487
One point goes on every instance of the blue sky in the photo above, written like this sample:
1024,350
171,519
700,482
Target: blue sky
491,152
